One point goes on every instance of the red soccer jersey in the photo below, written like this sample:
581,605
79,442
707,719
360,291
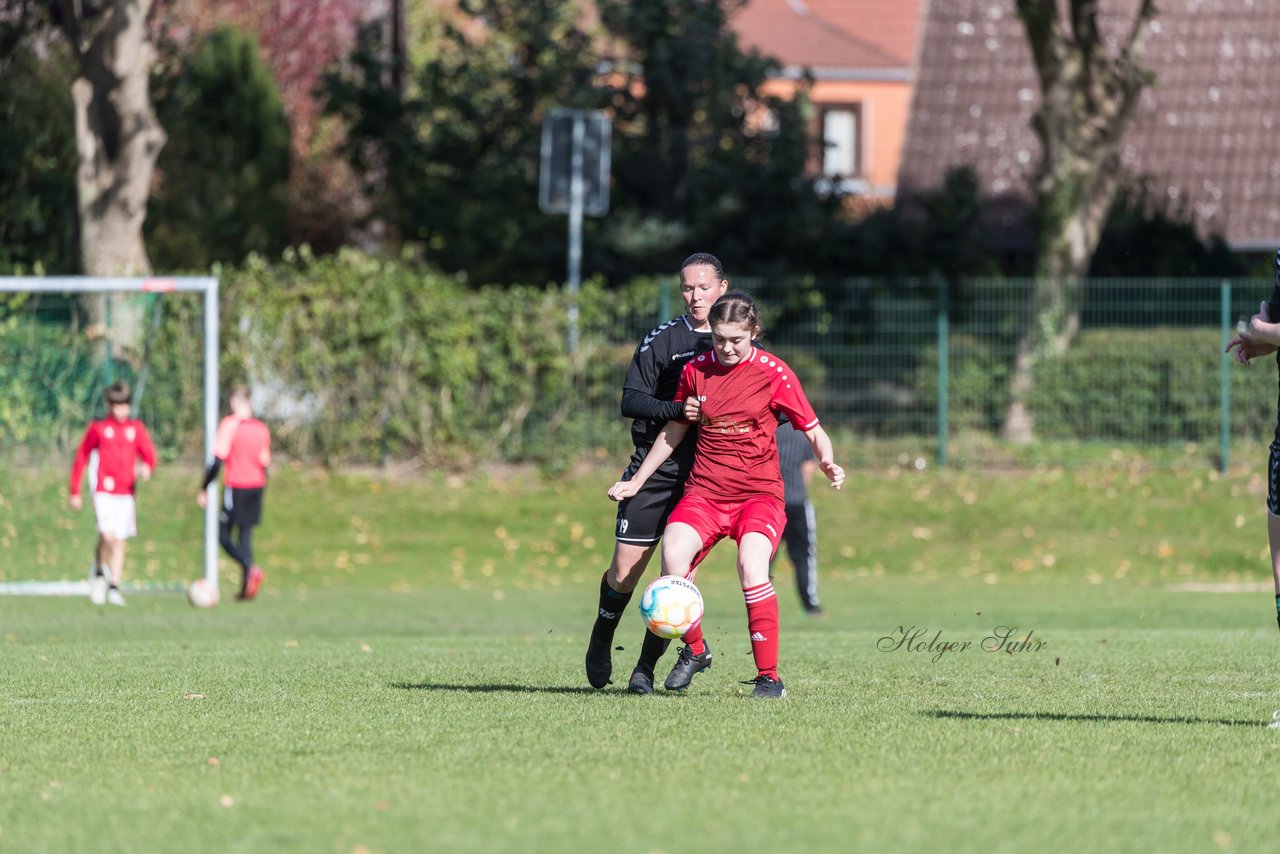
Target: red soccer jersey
244,446
119,445
737,455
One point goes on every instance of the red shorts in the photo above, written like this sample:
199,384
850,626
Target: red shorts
714,520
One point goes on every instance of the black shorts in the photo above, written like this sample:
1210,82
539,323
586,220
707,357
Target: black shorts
642,517
241,508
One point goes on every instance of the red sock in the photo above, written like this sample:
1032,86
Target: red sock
693,639
762,622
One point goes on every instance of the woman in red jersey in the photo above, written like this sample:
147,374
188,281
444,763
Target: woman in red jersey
243,445
735,394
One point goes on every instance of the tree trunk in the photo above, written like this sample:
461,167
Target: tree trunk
1088,99
118,140
1073,213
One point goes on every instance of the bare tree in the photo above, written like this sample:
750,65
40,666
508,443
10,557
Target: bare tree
118,140
1088,96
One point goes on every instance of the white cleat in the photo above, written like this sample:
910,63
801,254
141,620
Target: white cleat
98,590
114,597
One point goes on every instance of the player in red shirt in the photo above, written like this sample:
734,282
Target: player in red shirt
120,441
243,445
735,394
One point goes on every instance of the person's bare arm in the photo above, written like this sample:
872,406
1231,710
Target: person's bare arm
1262,329
821,443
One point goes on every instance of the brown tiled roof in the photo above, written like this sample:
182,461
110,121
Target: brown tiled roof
832,35
1207,132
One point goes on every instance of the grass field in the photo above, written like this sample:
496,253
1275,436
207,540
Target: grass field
411,677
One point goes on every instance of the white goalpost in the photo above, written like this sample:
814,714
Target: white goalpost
208,287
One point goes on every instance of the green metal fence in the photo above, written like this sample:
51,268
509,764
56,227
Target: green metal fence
915,371
925,365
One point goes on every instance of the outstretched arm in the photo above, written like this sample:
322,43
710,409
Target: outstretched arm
211,472
663,446
821,443
87,444
1247,349
147,451
1247,345
1262,329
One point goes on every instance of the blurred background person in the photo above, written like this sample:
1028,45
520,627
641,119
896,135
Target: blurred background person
796,459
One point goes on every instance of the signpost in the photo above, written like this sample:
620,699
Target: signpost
574,179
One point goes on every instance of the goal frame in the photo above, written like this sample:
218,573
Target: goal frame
206,285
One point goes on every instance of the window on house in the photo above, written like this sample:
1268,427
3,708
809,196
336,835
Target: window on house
840,150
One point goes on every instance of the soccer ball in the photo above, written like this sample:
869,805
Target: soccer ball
202,594
670,606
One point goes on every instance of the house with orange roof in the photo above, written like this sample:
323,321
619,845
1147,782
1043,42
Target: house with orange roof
861,58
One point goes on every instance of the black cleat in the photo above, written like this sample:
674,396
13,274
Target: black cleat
641,682
599,663
686,667
767,687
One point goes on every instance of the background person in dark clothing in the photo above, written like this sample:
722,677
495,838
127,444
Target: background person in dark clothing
795,458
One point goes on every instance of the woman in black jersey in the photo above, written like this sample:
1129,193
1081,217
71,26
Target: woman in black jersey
646,398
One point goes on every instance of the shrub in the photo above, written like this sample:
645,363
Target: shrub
1153,386
368,358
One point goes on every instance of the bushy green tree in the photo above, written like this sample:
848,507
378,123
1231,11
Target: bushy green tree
700,150
452,158
37,157
223,187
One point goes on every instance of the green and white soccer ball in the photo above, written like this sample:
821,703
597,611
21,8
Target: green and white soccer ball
671,606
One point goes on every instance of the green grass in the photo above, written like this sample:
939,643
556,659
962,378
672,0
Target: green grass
411,677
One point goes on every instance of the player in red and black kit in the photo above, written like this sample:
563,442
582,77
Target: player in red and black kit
647,398
736,393
120,440
243,445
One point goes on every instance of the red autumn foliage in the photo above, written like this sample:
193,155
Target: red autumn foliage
300,40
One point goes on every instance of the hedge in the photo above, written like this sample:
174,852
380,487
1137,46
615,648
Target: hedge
1153,385
358,359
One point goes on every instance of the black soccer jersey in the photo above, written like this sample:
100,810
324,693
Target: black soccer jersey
655,371
794,450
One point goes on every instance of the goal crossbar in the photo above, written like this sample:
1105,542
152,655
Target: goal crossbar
208,286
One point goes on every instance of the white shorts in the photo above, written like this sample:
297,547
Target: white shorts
116,514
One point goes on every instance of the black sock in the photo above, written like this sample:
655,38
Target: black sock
651,650
609,609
